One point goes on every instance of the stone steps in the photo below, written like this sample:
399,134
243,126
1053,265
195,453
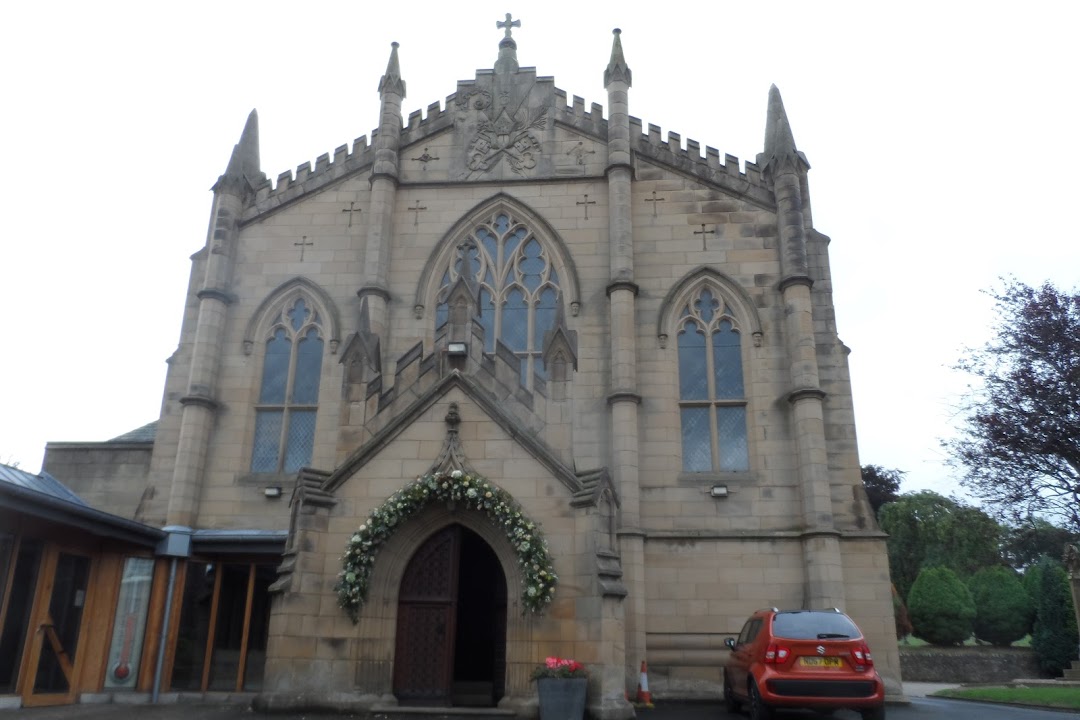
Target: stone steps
402,712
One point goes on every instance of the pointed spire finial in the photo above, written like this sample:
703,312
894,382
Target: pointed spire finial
243,164
391,81
507,61
779,141
617,68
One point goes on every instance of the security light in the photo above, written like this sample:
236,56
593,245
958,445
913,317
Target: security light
457,348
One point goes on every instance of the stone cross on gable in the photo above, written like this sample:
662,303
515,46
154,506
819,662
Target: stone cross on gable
508,24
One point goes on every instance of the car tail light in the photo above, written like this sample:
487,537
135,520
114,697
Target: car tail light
776,654
862,655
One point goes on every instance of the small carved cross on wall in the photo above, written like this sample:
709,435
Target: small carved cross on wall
351,210
303,244
425,159
703,232
417,210
579,152
655,200
587,203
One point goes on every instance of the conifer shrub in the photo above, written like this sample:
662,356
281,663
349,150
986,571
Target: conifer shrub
940,607
1003,610
1055,637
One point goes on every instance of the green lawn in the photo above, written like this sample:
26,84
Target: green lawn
1045,695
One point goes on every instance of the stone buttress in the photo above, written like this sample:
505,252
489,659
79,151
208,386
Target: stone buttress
784,168
199,403
624,397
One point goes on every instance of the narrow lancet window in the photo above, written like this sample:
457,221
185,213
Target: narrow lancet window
289,392
712,401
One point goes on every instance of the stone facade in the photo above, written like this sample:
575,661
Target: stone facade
573,401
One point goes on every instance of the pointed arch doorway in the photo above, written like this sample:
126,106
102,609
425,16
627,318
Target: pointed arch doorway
451,623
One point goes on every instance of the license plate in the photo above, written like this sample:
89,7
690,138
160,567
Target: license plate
829,662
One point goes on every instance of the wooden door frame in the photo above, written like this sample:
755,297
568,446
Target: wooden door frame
38,619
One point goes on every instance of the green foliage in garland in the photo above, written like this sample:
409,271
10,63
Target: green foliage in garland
473,492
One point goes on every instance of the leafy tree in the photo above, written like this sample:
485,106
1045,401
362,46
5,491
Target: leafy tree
1022,545
882,485
926,529
1020,441
941,608
1003,610
1055,636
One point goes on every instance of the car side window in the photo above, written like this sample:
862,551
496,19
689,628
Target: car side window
744,634
749,631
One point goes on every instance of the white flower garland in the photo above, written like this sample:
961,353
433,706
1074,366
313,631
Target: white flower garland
539,576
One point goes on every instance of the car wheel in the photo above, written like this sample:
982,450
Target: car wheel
758,709
874,713
731,703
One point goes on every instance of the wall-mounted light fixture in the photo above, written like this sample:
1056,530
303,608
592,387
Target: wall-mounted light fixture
272,492
718,491
457,349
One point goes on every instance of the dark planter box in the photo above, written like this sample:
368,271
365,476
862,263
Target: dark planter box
562,698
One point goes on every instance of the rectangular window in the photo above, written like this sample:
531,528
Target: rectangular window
224,623
19,600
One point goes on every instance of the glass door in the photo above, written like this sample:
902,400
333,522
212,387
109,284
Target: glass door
57,628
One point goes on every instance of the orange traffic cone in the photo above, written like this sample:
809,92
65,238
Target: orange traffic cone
643,695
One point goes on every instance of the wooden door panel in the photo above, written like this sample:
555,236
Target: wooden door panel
427,611
423,638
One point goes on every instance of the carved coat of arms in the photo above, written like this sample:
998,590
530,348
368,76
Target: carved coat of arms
504,132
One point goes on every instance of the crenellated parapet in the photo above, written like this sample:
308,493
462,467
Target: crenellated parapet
291,187
545,108
574,115
422,125
747,183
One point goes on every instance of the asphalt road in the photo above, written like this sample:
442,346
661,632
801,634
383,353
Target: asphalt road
920,709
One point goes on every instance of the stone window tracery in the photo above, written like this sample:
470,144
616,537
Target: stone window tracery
518,288
289,391
712,399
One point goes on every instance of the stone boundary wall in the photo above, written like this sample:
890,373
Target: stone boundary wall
968,664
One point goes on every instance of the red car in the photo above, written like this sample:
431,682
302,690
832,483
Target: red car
814,659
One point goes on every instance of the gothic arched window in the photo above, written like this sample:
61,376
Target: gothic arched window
518,288
712,402
289,392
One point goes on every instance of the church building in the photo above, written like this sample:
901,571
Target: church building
514,378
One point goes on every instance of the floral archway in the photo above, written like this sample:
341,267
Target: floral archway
538,572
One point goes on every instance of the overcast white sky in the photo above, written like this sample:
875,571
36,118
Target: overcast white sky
941,135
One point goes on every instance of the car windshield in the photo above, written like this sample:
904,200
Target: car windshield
814,626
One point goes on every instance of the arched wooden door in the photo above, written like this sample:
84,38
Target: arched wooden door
453,584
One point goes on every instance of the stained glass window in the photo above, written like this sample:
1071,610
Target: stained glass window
518,288
712,402
289,393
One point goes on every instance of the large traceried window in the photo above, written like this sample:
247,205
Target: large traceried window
289,393
518,288
712,401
